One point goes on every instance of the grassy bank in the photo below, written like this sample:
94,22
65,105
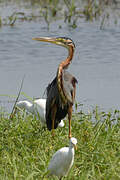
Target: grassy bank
26,148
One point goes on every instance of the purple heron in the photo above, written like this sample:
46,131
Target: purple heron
61,91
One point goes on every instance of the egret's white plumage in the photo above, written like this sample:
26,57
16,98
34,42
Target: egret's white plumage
38,108
62,160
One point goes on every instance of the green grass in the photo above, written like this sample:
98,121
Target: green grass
26,148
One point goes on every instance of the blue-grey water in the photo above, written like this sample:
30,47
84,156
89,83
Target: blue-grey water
96,62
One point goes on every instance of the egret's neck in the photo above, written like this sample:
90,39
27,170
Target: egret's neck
71,148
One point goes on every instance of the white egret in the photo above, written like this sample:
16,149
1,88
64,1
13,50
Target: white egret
38,108
62,160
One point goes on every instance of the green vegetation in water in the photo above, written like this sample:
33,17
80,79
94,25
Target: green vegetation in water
68,10
26,148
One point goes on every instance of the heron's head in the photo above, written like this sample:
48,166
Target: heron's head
73,141
61,41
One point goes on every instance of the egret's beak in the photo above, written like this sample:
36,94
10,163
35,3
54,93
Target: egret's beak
47,39
75,146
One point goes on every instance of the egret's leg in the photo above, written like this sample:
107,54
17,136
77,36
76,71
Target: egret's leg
69,118
53,119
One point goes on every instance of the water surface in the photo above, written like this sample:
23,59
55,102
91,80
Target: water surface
96,62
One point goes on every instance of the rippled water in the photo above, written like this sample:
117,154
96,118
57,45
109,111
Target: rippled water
96,62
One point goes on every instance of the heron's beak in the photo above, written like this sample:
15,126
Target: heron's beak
47,39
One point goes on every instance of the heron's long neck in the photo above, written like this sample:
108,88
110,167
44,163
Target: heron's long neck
64,65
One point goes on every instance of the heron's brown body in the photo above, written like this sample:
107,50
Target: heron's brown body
61,91
54,101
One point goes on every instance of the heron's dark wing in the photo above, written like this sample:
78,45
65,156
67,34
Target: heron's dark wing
69,86
53,99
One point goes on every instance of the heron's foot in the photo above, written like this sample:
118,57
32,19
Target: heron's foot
53,132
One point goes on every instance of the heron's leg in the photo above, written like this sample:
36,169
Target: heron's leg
53,118
69,118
